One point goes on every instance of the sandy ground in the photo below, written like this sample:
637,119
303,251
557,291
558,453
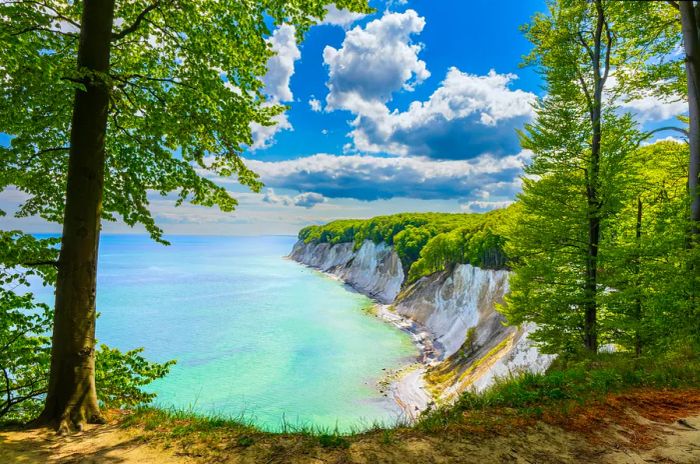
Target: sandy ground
97,444
660,442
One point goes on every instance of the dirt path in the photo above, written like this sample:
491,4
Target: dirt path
634,440
103,444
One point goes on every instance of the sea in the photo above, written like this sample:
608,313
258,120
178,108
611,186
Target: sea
257,337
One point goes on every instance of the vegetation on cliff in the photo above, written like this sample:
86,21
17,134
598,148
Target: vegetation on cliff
426,242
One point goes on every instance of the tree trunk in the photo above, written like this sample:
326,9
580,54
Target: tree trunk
637,283
691,43
590,328
71,400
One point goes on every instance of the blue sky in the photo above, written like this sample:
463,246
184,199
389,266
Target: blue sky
412,108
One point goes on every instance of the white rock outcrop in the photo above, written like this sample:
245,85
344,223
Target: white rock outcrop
449,304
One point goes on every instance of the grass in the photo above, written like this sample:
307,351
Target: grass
567,384
572,395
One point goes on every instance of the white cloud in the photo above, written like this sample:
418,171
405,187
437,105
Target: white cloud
647,107
480,206
309,199
652,108
342,18
466,113
264,136
280,69
315,105
373,177
374,62
305,200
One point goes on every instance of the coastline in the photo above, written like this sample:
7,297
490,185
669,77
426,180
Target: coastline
408,388
407,384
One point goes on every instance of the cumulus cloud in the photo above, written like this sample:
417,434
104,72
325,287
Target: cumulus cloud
264,136
305,200
374,62
652,108
372,177
466,116
342,18
315,105
280,69
480,206
309,199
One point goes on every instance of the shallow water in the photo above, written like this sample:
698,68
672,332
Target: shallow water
254,334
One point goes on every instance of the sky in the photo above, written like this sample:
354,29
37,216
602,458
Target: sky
412,108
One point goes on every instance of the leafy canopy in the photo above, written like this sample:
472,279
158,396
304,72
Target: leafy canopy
186,84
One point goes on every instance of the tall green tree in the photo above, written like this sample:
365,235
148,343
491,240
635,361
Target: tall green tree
579,145
662,44
108,100
645,262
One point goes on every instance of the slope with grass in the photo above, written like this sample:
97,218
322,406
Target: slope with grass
608,409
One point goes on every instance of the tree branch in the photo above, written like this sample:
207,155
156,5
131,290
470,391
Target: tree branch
674,4
44,29
40,263
665,128
137,22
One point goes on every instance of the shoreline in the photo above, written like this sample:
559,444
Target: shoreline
407,389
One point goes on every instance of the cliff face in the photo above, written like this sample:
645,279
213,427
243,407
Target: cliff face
458,306
373,269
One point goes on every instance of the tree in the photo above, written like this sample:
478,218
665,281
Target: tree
579,145
164,93
690,25
652,33
646,254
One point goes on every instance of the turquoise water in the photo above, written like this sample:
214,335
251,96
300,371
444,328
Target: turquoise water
254,334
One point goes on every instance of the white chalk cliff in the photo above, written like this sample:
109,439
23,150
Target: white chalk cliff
458,306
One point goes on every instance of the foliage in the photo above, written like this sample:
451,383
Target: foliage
186,85
25,349
425,242
120,376
571,193
648,264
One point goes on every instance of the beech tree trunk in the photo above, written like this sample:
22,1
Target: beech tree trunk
600,73
638,310
71,400
691,44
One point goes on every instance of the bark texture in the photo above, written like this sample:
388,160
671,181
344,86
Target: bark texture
72,400
691,42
